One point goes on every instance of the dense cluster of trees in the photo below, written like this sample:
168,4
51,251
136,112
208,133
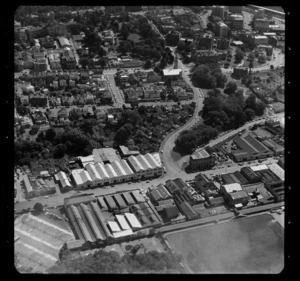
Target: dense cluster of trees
203,77
188,140
239,55
111,262
225,112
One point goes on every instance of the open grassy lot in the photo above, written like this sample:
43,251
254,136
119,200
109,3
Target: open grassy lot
249,245
41,238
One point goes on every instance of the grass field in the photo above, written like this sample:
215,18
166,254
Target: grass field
248,245
40,240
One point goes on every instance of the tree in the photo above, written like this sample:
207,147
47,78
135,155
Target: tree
251,102
101,52
262,59
202,78
38,207
250,114
260,108
163,63
239,55
231,88
59,151
147,65
50,134
84,62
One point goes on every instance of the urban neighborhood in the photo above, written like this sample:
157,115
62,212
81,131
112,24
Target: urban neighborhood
149,139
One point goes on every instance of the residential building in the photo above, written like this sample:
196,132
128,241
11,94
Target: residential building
222,44
259,40
201,160
221,29
208,56
277,41
218,11
206,185
236,21
171,73
40,65
205,43
235,9
261,25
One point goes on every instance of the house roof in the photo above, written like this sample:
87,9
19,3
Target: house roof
171,72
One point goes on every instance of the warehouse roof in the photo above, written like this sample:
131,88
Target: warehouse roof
118,168
101,171
62,177
110,202
128,198
110,171
135,164
105,154
146,165
133,221
259,167
232,187
73,200
122,222
102,203
137,196
92,172
156,156
120,202
187,209
126,167
86,159
81,176
113,226
151,160
277,170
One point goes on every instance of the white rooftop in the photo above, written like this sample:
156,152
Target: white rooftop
133,221
259,167
232,187
170,72
277,170
114,226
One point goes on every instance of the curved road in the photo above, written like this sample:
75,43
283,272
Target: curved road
172,168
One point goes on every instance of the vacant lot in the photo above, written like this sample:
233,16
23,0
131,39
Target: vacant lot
41,238
248,245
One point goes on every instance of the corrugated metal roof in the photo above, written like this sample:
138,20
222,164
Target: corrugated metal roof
118,168
92,172
126,167
123,223
114,226
146,165
277,170
101,171
133,221
128,198
151,160
102,203
110,171
135,164
110,202
120,202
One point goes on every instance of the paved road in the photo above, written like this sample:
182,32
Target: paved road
172,168
217,218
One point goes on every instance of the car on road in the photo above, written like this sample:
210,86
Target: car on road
46,197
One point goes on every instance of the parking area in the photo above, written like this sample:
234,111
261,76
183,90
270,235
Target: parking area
39,240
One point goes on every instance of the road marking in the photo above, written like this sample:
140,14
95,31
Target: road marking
50,224
37,251
25,233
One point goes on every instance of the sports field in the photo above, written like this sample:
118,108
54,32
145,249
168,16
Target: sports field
40,239
248,245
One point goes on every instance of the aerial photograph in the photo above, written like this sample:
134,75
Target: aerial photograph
149,139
